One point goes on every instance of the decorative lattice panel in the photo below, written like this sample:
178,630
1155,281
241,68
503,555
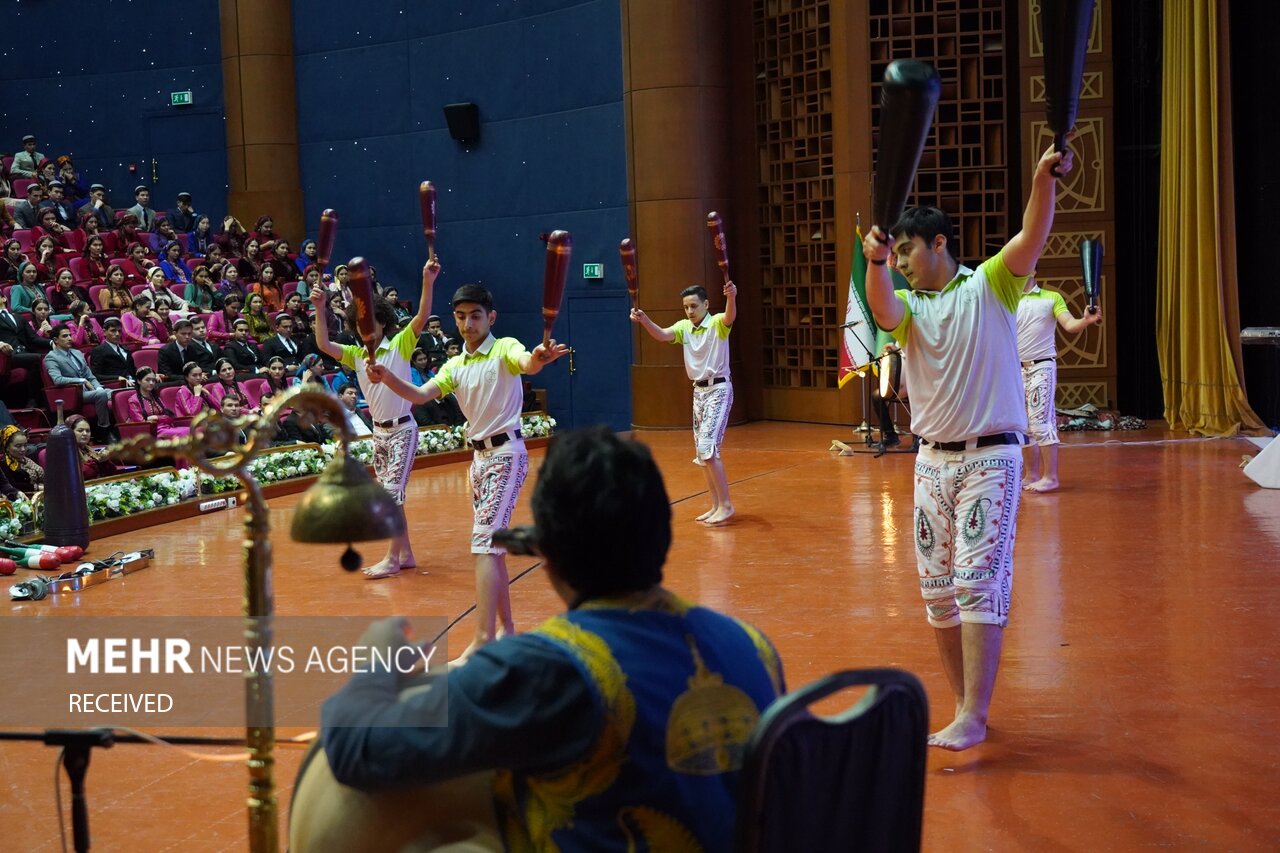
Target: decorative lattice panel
1084,189
964,168
793,103
1073,395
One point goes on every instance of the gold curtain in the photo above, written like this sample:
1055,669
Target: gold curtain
1196,276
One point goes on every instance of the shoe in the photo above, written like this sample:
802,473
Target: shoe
891,441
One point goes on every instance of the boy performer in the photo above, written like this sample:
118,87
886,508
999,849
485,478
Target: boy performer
704,339
395,434
485,377
1039,311
958,332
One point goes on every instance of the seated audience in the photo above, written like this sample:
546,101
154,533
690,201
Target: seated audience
21,473
94,462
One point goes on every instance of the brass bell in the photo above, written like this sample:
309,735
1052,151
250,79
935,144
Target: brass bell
345,504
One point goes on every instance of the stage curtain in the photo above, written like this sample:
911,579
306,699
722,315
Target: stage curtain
1196,275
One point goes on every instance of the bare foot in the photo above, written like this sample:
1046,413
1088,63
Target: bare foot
467,653
708,514
1045,485
408,561
963,733
721,515
386,568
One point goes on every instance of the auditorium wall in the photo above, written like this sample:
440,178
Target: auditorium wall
94,80
372,80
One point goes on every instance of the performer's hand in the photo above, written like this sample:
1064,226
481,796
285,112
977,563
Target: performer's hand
1051,158
730,290
1093,315
317,297
430,270
875,246
638,316
375,372
550,353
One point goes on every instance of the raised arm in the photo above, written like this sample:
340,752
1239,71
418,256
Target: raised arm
429,272
413,393
655,331
321,327
1023,251
730,303
888,309
1074,325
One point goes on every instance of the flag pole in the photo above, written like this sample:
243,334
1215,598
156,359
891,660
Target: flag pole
865,426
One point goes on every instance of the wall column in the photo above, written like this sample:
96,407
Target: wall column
676,77
261,107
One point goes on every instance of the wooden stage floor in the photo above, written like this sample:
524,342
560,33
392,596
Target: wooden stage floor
1137,707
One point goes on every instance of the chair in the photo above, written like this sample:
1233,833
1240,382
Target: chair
25,238
72,397
169,396
255,388
79,269
850,782
289,288
18,188
94,293
10,376
120,408
185,240
73,239
147,357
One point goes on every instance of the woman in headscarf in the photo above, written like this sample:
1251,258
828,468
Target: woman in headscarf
232,237
260,327
201,239
66,291
307,255
22,473
28,288
95,258
94,462
10,260
126,232
176,271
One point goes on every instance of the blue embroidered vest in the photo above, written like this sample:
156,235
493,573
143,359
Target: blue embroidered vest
680,689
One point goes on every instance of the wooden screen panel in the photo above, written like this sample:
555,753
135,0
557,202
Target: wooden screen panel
796,201
965,166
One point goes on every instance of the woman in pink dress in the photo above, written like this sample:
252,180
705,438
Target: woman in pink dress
145,406
86,332
194,396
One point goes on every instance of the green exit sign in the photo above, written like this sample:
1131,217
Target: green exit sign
180,99
593,270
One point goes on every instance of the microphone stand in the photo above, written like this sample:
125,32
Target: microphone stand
76,748
878,446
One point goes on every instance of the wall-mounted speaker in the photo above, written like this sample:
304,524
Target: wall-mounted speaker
464,121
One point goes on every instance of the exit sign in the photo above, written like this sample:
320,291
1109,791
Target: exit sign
593,270
180,99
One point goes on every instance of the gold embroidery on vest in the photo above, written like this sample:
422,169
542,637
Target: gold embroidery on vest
709,724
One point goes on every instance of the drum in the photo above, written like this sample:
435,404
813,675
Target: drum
326,816
892,383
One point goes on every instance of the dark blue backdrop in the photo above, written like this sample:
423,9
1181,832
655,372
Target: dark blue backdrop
93,80
372,78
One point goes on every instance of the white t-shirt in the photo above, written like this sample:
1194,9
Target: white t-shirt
960,355
487,385
1037,321
706,346
384,404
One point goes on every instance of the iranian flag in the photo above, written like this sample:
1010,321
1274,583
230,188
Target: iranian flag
858,341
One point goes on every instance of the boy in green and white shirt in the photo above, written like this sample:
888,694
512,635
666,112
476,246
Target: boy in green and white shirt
485,378
1040,311
704,338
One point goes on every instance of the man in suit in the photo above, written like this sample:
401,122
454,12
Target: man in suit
142,210
283,345
61,207
358,419
433,339
26,213
206,353
97,202
67,367
246,357
177,352
110,359
24,346
183,217
232,406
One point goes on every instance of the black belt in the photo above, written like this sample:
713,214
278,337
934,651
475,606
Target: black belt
992,440
495,440
704,383
1036,361
390,424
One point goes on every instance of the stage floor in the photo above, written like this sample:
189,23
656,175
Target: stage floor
1137,704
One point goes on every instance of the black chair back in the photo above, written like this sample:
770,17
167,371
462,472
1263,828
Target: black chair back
850,782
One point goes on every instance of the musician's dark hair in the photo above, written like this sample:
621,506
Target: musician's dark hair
473,293
385,313
926,223
695,290
602,513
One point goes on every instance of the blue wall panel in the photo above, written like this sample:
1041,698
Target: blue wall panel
88,83
547,76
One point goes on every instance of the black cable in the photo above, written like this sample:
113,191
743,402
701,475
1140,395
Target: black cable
57,797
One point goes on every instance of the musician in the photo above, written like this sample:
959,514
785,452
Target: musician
891,361
628,712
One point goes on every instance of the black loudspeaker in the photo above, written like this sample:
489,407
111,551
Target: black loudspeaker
464,121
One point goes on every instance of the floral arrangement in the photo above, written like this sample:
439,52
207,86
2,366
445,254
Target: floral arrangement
123,497
126,497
